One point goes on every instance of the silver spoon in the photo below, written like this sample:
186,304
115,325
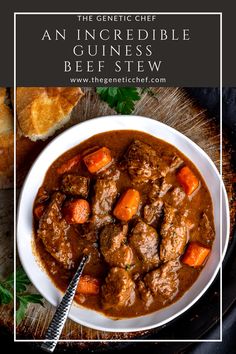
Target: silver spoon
55,328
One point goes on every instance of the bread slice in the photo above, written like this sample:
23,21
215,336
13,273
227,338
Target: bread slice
43,110
6,141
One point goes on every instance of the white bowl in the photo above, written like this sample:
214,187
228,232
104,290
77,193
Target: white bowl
75,136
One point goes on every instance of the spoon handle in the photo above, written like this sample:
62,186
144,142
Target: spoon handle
55,328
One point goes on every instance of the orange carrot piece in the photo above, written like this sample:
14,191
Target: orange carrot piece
88,285
195,254
188,180
127,205
39,210
68,165
98,159
76,211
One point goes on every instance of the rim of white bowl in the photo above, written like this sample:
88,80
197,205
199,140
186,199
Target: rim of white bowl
174,131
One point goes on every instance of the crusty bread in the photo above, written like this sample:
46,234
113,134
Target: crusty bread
43,110
6,142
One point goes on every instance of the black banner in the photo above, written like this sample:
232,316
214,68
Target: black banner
120,49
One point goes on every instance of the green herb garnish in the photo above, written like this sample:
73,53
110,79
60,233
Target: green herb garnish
23,298
23,301
122,99
5,295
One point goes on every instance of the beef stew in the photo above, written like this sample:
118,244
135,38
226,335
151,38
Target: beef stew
142,211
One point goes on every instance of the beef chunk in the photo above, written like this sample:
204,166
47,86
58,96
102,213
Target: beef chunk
144,241
145,293
204,233
164,280
120,258
164,188
169,214
152,211
112,237
176,162
154,191
144,165
174,235
75,185
142,162
112,173
171,165
158,189
112,245
207,232
52,231
104,197
118,290
177,196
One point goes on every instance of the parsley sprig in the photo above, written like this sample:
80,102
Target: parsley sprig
23,298
122,99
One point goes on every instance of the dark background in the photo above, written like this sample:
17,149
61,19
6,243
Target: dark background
41,63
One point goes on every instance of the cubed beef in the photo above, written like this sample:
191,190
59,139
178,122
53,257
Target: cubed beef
177,196
152,211
204,232
158,189
112,173
164,281
52,231
75,185
154,208
169,214
118,290
154,191
144,242
171,164
144,293
105,192
113,247
164,188
142,162
174,235
122,257
112,237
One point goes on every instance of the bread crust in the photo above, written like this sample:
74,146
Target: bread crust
43,110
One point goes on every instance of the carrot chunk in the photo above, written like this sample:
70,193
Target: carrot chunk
68,165
127,205
195,254
188,180
88,285
98,159
39,210
76,211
